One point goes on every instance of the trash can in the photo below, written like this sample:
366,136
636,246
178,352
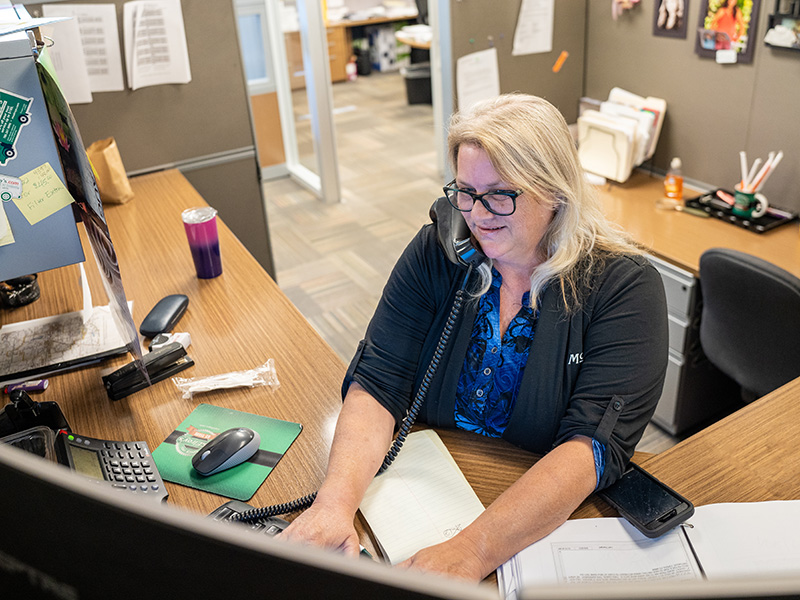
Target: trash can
363,60
418,83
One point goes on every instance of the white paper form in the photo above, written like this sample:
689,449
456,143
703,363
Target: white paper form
6,235
421,500
155,43
534,31
477,77
68,60
599,550
97,24
747,539
53,344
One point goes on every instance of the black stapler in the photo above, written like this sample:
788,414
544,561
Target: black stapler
160,364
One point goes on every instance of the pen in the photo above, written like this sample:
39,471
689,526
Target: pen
777,212
743,167
35,385
364,552
772,164
761,174
692,211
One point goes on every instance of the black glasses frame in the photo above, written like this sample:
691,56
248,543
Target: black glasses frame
451,189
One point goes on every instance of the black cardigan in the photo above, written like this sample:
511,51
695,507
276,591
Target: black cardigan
596,371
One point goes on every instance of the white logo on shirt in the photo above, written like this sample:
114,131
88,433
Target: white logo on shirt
575,359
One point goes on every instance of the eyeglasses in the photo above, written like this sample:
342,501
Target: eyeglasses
497,202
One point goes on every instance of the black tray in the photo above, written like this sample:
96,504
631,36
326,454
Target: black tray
710,203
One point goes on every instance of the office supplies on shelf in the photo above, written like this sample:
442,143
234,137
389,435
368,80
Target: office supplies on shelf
421,500
716,204
621,134
174,455
753,178
724,540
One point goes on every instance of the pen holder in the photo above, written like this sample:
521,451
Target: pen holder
201,231
750,205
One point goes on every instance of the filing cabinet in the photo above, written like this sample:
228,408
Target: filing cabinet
695,392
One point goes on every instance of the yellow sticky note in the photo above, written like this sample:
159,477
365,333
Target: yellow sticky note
42,194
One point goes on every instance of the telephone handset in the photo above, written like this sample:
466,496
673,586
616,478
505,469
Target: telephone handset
454,235
455,240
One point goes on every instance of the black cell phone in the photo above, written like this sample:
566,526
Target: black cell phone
649,505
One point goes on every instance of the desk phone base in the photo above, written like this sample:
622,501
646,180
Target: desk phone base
269,526
126,466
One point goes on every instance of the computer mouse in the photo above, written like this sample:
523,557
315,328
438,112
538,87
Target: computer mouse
228,449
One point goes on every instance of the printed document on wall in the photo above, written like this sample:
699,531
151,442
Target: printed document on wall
534,32
477,77
155,43
68,60
99,37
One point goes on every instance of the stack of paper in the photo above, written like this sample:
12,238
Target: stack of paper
423,499
746,540
622,134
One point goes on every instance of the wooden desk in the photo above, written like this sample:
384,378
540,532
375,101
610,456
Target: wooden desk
751,455
694,391
237,321
680,238
240,319
411,41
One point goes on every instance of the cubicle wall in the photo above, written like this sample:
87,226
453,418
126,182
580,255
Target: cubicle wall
481,24
202,127
713,110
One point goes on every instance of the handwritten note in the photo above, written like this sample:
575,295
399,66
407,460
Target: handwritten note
421,500
42,194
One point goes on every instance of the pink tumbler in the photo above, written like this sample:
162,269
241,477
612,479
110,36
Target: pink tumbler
201,230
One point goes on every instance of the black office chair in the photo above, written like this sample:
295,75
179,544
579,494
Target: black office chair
750,321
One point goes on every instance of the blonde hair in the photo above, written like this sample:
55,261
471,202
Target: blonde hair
529,145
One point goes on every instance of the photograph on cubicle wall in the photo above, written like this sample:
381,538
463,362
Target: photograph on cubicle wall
727,25
82,187
669,18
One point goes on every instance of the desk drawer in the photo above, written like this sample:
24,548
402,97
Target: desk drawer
678,286
677,333
667,408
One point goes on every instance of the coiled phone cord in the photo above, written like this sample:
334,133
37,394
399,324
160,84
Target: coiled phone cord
408,422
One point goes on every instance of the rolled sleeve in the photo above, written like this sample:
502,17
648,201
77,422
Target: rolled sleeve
625,353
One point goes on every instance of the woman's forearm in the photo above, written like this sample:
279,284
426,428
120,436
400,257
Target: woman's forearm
537,503
363,435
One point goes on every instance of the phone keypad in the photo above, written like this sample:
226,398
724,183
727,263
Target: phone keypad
126,466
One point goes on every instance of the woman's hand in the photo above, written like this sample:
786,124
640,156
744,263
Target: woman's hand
454,558
325,527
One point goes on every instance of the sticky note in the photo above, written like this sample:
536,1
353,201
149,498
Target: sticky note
42,194
560,61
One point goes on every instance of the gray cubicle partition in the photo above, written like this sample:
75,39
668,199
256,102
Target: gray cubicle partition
713,110
484,24
203,127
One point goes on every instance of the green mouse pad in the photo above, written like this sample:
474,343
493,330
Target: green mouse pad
173,457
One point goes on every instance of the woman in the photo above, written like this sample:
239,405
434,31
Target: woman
562,349
729,19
